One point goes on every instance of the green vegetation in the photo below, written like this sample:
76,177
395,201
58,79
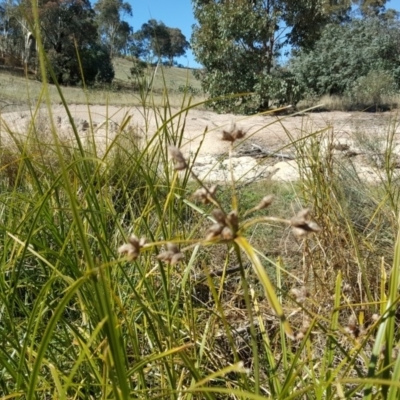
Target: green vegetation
233,293
158,41
114,32
80,41
358,60
334,47
123,276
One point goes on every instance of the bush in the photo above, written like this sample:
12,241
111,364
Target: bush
139,66
96,66
189,89
347,52
374,89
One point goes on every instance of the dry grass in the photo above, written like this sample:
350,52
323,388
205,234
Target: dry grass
346,103
18,91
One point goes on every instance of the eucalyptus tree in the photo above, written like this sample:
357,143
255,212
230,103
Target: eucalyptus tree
159,41
238,43
114,31
178,44
14,27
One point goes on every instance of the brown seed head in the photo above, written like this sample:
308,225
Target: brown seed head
233,133
233,220
265,202
206,196
219,216
227,136
227,233
172,255
177,156
214,231
225,226
132,248
302,224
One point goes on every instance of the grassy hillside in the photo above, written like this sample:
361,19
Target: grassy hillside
18,91
170,77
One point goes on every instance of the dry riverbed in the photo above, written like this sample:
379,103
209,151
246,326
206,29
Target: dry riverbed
266,151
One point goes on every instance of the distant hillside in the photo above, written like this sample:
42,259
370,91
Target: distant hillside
18,91
174,77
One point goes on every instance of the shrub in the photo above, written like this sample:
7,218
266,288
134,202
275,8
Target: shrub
374,89
96,66
347,52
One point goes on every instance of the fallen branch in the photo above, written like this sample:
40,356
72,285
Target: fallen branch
259,152
202,277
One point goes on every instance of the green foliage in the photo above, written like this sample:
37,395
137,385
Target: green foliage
188,88
138,74
178,44
282,87
307,19
373,89
12,41
97,65
346,53
70,38
68,27
238,42
114,32
157,40
79,320
139,66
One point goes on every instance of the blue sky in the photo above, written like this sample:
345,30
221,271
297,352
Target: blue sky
174,13
179,14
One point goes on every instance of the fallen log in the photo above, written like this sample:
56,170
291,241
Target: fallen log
258,152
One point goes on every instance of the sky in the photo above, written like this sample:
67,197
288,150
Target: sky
174,13
179,14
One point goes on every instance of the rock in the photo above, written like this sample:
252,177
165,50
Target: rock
367,174
210,169
286,171
83,125
341,145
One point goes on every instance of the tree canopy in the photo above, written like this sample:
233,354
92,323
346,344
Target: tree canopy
80,41
239,43
346,53
69,34
157,40
114,32
68,28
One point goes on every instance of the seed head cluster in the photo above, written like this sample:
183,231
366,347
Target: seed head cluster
302,224
132,248
178,159
233,134
206,195
225,226
172,255
265,202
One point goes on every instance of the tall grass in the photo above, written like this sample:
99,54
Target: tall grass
204,307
